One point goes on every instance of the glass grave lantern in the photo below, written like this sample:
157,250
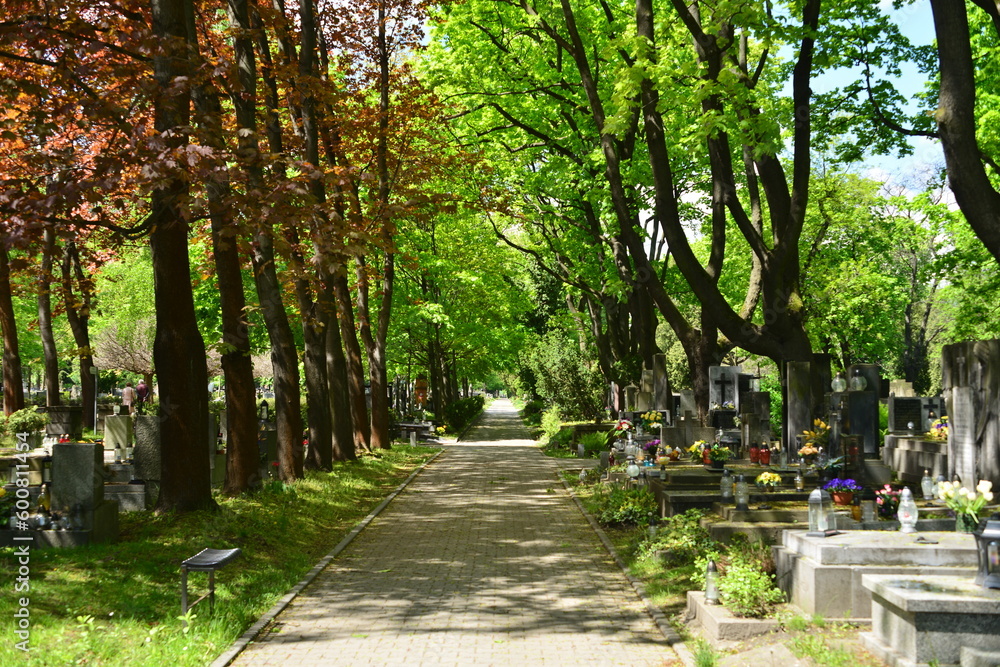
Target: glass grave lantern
742,494
711,583
907,511
632,470
988,554
726,487
858,381
839,384
821,517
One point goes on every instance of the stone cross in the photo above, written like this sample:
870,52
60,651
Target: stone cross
722,382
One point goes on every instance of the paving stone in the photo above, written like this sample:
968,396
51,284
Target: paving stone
482,560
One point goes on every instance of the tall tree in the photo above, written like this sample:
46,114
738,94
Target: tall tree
178,348
13,388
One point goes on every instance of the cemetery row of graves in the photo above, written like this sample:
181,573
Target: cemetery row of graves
891,529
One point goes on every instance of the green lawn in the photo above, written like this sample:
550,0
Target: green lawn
119,604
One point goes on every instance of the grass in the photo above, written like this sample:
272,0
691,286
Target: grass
119,604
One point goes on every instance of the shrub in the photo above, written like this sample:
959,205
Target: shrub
552,423
623,506
748,592
27,420
594,443
531,413
459,414
682,537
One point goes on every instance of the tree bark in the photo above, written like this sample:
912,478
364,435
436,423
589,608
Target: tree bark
355,365
178,348
13,381
956,119
339,387
284,356
78,316
237,366
49,353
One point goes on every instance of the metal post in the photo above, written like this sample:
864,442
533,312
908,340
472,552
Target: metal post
184,590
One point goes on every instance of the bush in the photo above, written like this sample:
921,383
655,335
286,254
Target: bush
551,423
594,444
623,506
459,414
682,537
27,420
565,378
531,413
748,592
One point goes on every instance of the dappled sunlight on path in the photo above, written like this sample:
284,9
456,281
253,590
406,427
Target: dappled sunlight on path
483,560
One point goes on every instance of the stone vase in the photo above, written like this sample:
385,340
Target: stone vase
965,523
716,465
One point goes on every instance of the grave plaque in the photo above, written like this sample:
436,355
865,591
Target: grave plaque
904,411
723,386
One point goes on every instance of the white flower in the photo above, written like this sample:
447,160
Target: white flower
963,492
988,495
984,486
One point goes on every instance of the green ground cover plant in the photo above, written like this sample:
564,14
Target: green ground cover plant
119,604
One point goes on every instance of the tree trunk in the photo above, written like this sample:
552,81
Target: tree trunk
242,453
355,365
178,349
284,359
78,316
320,454
49,353
13,382
956,118
339,388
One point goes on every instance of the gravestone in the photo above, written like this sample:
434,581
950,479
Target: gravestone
643,401
821,378
971,382
662,397
905,411
146,455
723,384
631,392
118,433
78,481
646,384
687,403
901,389
65,419
862,410
798,395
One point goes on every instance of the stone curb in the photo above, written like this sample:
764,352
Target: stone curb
241,643
673,639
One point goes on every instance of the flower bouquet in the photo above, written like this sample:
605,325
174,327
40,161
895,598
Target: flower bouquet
622,428
965,503
887,501
939,429
651,420
697,450
649,448
819,435
768,480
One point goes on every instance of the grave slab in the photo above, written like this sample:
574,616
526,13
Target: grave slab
925,619
823,575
